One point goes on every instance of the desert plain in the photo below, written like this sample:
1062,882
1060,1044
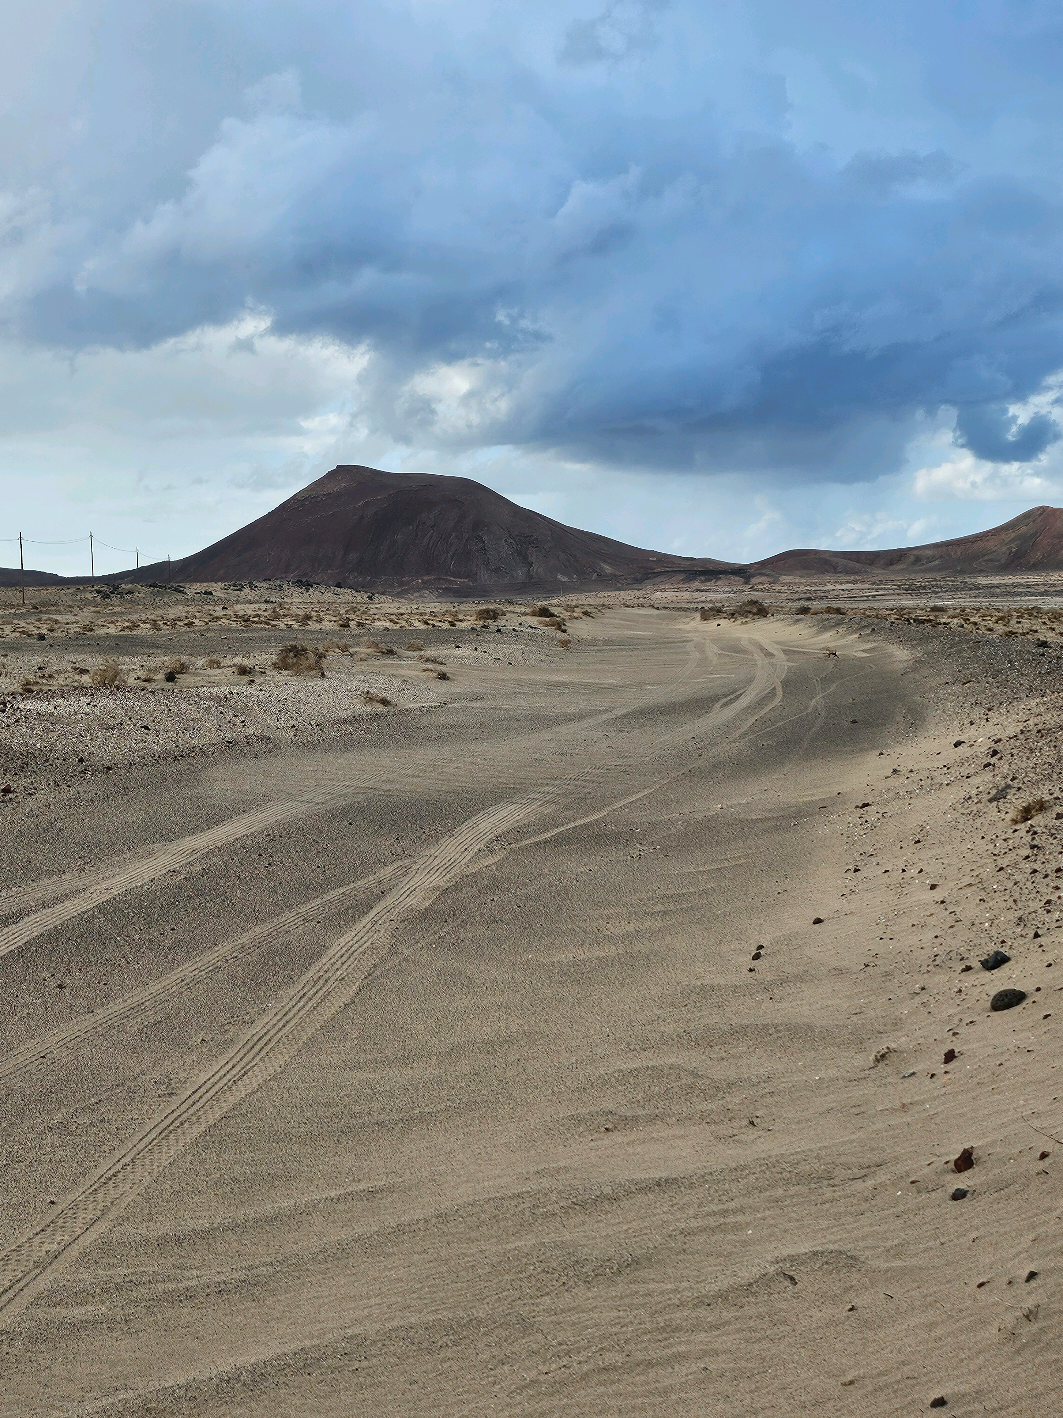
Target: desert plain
552,1008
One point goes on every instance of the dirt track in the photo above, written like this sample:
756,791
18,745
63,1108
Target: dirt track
432,1074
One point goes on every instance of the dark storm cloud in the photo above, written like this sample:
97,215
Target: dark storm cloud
643,230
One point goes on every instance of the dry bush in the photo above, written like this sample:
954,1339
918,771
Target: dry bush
751,609
488,613
543,612
377,647
242,669
830,610
368,697
803,610
212,664
711,612
564,642
107,676
413,645
337,647
1028,810
432,660
177,666
442,674
299,660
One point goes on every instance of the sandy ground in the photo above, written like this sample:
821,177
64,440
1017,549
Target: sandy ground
566,1037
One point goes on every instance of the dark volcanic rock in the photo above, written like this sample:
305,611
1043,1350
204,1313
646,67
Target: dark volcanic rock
1007,999
994,960
363,528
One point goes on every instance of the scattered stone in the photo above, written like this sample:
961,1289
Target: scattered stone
966,968
1030,1275
958,1193
757,954
939,1402
817,920
1007,999
1044,1156
994,960
959,743
950,1054
909,1074
965,1161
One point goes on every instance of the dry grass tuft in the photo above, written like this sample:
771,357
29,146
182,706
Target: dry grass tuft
1024,812
368,697
413,645
243,669
107,676
212,664
377,647
299,660
336,647
176,666
488,613
751,609
803,610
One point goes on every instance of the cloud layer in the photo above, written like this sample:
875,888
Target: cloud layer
765,241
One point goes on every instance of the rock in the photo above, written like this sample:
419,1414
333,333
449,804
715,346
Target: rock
817,920
965,1161
994,960
1041,1156
1030,1275
940,1402
1007,999
959,743
909,1074
950,1054
958,1193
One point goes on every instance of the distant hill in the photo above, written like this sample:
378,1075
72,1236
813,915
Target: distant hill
368,529
1033,541
11,576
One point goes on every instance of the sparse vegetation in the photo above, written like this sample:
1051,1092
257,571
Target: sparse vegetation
803,610
368,697
108,675
413,645
751,609
377,647
242,669
176,666
213,663
299,660
1026,811
488,613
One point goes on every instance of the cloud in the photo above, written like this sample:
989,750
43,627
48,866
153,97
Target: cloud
665,239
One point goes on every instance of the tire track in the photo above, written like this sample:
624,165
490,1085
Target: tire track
141,1004
317,996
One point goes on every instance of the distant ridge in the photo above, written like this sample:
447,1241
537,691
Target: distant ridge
1033,541
406,532
422,532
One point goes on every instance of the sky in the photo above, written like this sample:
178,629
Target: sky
716,278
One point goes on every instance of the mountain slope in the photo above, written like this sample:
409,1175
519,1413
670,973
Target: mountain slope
369,529
1033,541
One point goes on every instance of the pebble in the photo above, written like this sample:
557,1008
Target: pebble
1007,999
817,920
1030,1275
994,960
939,1402
958,1193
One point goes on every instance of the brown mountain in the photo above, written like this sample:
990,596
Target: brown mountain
1032,541
12,576
368,529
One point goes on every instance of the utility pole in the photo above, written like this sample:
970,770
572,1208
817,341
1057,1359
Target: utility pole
138,558
21,570
92,561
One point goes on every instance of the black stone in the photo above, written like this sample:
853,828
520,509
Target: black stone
938,1402
994,960
958,1193
1007,999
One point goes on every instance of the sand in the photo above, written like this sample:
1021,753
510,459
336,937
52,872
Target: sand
565,1038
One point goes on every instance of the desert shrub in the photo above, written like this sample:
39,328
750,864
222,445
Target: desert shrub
564,642
212,664
413,645
830,610
177,666
368,697
803,610
488,613
243,669
378,647
1028,810
432,660
442,674
752,608
107,675
543,612
299,660
338,647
